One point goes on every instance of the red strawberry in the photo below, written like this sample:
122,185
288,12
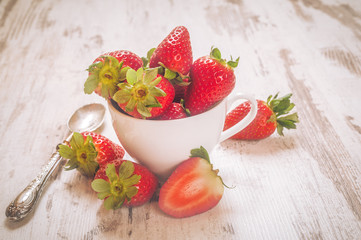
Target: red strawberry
212,79
175,111
193,188
108,70
88,150
145,94
123,182
267,120
174,52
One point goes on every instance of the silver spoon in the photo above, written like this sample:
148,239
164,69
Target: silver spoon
87,118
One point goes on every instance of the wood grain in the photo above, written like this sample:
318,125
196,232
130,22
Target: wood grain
305,185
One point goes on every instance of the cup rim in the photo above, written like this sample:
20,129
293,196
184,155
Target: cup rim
200,115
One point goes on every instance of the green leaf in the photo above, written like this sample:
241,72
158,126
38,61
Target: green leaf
66,152
123,73
102,195
280,129
151,101
281,106
77,140
126,170
200,152
91,84
100,185
130,105
122,96
157,92
155,82
215,53
169,74
150,75
132,180
140,72
111,173
145,61
109,203
71,164
88,169
94,67
131,192
150,53
131,76
118,202
141,108
114,62
292,117
232,63
104,91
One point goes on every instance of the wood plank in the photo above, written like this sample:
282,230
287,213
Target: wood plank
305,185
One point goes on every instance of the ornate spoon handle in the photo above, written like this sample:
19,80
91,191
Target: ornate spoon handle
25,202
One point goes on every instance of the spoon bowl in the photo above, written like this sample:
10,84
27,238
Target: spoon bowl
87,118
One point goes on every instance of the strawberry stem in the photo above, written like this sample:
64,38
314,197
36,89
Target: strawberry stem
216,54
282,106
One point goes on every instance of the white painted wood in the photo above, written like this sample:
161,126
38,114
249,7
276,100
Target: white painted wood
305,185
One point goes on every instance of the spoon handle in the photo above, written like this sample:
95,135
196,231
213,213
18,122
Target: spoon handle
25,202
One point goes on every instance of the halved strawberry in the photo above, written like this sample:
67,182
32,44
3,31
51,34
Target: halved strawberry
145,93
193,188
88,150
122,182
108,70
270,116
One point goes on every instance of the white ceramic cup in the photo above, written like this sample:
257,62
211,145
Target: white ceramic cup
161,145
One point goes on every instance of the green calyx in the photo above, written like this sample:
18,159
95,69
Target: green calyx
147,59
106,74
81,154
281,107
120,186
139,91
200,152
216,54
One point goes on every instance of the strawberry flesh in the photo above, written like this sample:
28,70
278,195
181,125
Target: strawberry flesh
193,188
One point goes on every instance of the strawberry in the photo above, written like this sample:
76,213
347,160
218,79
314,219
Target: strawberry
269,118
145,94
174,52
212,79
108,70
88,150
122,182
193,188
174,111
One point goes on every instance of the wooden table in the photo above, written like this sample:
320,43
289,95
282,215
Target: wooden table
305,185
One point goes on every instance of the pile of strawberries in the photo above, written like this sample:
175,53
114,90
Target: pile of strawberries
166,85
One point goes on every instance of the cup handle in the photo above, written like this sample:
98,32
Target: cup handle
245,121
